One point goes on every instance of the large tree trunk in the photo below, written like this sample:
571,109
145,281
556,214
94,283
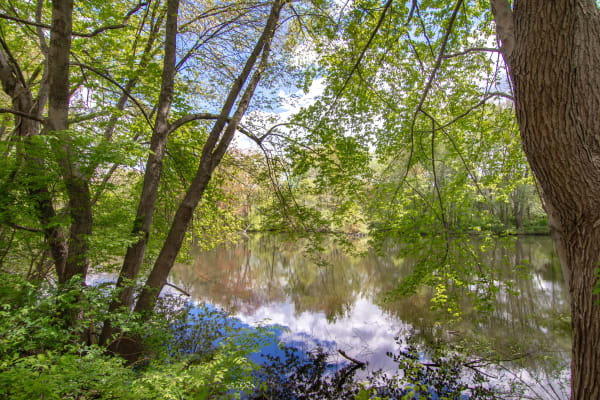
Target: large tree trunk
135,253
554,60
76,182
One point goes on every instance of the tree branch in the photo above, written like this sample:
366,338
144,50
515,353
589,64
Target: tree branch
472,50
364,50
111,80
98,31
95,32
429,83
189,118
178,288
24,228
20,114
504,26
75,119
479,104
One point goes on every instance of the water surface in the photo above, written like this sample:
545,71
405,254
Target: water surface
343,304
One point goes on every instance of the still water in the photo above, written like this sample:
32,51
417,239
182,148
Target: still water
344,303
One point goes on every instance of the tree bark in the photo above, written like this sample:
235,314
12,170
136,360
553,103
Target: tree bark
555,69
76,183
26,128
134,256
212,153
143,222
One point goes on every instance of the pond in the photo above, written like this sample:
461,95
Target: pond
343,303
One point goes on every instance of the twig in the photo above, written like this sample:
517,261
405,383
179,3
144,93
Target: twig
364,50
111,80
472,50
178,288
347,357
95,32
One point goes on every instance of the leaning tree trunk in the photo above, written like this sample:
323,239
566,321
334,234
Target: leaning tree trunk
553,53
134,256
212,153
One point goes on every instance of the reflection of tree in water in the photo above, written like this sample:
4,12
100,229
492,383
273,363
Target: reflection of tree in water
330,288
231,277
266,269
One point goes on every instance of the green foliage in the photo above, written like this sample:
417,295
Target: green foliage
77,372
185,357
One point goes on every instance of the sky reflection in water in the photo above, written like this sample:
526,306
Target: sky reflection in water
268,280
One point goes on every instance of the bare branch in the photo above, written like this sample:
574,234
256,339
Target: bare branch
189,118
347,357
85,117
100,30
472,50
178,288
24,228
24,21
135,9
20,114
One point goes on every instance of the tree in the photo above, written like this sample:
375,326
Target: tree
91,63
430,66
557,94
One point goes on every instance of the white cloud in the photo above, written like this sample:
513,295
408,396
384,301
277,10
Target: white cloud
365,333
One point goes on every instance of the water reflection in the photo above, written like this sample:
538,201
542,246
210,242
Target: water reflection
341,304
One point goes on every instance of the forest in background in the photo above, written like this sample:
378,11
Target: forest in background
118,155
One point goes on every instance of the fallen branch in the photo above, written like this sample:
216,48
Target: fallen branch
178,288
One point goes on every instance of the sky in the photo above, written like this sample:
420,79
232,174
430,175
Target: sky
291,103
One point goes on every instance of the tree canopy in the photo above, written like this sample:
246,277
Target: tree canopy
118,120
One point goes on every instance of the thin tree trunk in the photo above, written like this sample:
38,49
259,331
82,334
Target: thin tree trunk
143,222
554,64
134,256
212,154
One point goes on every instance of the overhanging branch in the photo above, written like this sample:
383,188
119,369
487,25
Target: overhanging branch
111,80
472,50
95,32
20,114
189,118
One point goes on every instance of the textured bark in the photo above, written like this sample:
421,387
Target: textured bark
39,194
135,253
134,256
212,153
555,70
76,183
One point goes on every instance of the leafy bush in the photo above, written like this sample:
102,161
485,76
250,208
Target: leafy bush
45,351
